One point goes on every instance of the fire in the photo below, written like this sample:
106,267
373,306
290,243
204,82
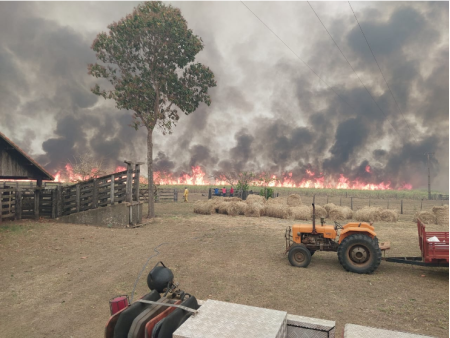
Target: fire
310,179
67,175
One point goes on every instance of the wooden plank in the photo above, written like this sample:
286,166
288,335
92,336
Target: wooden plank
18,205
95,194
111,198
137,174
78,198
36,203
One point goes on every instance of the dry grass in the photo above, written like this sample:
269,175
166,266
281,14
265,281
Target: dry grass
73,270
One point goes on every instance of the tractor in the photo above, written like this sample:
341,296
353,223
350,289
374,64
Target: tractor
356,244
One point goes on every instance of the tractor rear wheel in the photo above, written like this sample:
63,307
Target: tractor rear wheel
299,256
359,253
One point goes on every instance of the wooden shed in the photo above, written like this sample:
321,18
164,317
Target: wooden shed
15,164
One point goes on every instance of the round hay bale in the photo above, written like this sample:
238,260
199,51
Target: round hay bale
336,214
223,208
368,214
216,202
348,213
389,215
255,198
233,209
294,200
252,210
301,213
441,213
426,217
320,212
278,211
204,207
329,206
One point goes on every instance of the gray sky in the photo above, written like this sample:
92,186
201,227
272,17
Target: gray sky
268,112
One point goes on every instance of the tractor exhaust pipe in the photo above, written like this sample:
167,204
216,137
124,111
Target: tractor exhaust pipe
314,220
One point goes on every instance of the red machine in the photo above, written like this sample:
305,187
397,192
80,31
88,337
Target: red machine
434,246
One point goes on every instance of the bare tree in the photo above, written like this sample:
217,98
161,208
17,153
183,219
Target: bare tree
83,167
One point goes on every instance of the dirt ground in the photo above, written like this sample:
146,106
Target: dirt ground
57,279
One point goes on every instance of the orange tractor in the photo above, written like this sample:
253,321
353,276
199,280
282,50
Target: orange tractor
356,244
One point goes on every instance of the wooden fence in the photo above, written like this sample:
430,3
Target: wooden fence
161,195
22,202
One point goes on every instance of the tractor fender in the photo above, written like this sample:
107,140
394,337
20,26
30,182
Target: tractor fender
356,230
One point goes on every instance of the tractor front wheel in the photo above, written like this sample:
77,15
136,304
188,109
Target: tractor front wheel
359,253
299,256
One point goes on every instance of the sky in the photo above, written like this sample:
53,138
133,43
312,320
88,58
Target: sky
269,112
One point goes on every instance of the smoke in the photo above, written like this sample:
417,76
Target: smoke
269,112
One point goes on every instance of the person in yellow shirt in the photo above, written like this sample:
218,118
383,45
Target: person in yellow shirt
186,194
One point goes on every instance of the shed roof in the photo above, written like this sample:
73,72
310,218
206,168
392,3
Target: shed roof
13,149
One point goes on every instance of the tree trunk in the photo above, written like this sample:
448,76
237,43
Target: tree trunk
151,198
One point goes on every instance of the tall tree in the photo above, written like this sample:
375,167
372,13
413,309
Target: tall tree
148,57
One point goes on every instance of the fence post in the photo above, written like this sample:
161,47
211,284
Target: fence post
369,201
421,201
401,207
209,193
54,203
18,204
327,199
78,197
314,199
59,201
111,196
387,204
137,175
95,194
129,186
340,201
175,195
351,203
37,194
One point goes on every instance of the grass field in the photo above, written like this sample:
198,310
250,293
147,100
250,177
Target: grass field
57,278
382,194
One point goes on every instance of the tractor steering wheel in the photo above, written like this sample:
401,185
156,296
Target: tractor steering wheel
337,226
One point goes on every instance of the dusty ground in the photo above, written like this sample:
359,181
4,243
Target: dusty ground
57,278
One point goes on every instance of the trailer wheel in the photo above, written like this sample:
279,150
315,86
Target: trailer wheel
299,256
359,253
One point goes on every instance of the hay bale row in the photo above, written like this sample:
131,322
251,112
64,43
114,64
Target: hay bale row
294,200
231,199
236,208
441,214
329,206
277,200
278,211
368,214
253,210
340,213
301,213
320,211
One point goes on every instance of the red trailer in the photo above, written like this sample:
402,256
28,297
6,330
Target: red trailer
434,246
